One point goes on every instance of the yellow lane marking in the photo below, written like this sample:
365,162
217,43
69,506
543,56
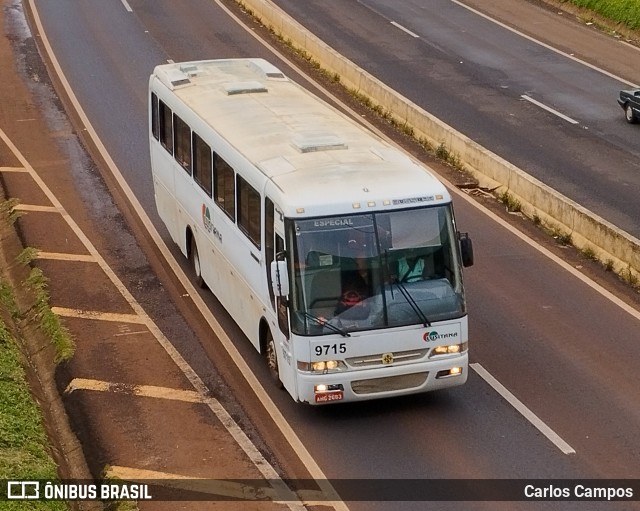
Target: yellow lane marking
187,396
36,207
101,316
222,488
88,258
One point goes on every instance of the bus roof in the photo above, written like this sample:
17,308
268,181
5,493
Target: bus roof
325,162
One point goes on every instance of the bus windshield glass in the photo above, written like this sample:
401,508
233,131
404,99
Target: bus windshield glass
372,271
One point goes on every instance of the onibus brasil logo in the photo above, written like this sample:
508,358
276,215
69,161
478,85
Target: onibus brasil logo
434,335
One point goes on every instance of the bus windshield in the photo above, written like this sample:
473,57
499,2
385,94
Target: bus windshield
371,271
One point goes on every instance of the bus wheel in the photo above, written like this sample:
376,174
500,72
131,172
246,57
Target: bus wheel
195,263
271,355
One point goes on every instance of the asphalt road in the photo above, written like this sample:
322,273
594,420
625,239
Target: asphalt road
473,73
564,350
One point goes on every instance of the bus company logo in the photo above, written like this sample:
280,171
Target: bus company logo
206,219
433,335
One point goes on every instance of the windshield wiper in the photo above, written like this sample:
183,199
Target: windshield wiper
412,302
325,323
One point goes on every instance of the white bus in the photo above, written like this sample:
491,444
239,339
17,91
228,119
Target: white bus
336,254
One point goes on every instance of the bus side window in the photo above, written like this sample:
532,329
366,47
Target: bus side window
182,143
155,128
269,244
224,186
248,210
202,164
283,319
166,126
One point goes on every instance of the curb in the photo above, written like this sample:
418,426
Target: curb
588,231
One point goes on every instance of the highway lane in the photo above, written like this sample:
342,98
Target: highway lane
541,345
476,76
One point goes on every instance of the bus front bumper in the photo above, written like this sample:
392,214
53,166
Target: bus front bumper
381,382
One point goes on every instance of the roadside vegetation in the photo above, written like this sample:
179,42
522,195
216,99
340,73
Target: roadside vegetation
626,12
25,452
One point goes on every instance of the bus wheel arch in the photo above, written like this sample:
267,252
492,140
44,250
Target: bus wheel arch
194,258
269,351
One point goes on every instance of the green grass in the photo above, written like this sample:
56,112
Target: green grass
49,323
513,205
24,445
23,440
626,12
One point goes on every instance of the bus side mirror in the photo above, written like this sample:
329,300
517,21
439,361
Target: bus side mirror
280,278
466,249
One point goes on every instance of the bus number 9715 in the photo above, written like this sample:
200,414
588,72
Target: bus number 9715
330,349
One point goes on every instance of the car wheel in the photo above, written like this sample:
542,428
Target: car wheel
629,115
195,263
271,356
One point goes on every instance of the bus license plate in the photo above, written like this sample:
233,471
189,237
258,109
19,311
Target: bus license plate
327,397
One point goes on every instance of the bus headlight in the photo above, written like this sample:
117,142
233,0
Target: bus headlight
447,373
322,366
451,349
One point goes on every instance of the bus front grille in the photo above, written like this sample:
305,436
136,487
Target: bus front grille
381,359
374,385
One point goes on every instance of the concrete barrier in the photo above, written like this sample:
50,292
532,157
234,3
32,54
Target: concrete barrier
587,230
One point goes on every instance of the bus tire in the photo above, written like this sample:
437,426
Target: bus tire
271,357
194,257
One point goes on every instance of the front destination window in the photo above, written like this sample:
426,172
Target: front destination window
370,271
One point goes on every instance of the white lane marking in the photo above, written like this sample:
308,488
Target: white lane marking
544,45
126,5
37,208
404,29
98,315
548,109
137,332
13,169
520,407
186,396
630,46
57,256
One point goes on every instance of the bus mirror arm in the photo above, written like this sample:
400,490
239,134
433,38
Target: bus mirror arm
466,249
280,278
